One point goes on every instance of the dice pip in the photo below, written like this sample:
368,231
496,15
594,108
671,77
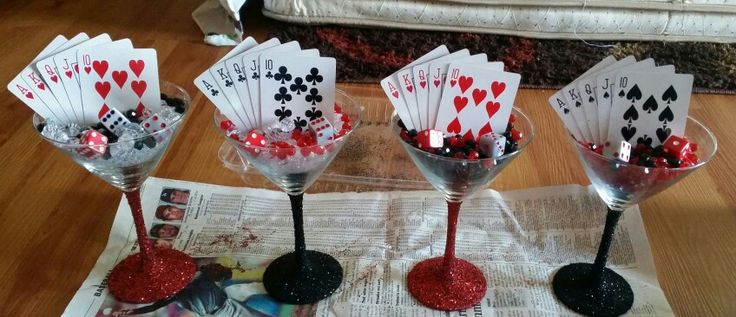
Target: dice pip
322,129
96,144
492,145
429,139
112,119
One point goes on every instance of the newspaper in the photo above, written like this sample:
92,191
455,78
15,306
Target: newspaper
518,239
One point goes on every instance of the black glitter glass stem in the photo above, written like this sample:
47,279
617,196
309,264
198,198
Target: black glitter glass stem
612,217
297,212
302,276
593,289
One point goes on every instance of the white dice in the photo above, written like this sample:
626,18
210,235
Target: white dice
622,152
430,139
491,144
322,129
112,119
156,123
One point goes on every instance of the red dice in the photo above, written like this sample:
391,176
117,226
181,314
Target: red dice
96,144
676,146
255,138
429,139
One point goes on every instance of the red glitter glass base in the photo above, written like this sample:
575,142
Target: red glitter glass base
169,273
465,288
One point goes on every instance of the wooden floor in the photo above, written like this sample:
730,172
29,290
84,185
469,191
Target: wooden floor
55,217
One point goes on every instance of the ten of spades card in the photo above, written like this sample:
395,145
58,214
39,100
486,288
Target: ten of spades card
649,107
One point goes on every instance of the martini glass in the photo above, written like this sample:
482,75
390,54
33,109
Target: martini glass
449,283
153,273
593,289
302,276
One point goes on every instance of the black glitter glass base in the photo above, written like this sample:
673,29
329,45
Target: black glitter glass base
316,279
575,286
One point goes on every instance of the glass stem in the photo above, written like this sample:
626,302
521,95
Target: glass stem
453,210
134,201
602,257
299,245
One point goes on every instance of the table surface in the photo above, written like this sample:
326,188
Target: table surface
55,217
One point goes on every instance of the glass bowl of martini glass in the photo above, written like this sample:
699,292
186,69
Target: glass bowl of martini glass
591,288
447,282
153,273
302,276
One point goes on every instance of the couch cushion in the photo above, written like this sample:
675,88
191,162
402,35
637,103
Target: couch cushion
675,20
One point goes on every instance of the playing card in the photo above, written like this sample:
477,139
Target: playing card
66,64
575,103
587,87
239,74
47,69
437,72
121,79
562,106
207,85
605,83
87,67
246,44
301,88
251,61
413,84
391,88
478,102
40,96
649,107
226,83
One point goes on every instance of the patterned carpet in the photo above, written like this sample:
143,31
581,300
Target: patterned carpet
367,55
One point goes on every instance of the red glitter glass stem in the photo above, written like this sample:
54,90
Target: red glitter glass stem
453,211
134,200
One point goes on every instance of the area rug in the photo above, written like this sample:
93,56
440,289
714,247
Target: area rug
367,55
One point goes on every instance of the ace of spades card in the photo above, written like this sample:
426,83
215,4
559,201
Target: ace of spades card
563,107
301,88
124,79
649,107
479,102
